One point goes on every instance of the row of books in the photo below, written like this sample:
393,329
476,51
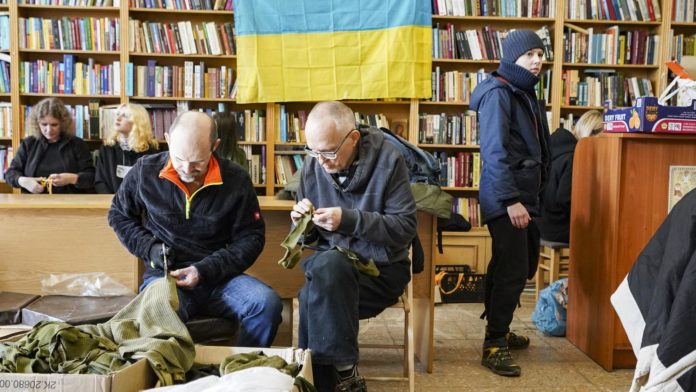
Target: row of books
5,120
506,8
457,129
633,10
256,163
291,125
70,33
594,87
610,47
5,86
6,155
481,44
74,3
4,30
683,11
227,5
455,86
70,77
286,165
682,45
460,169
469,208
183,37
192,80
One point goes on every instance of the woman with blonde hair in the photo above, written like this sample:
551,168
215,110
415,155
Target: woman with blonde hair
131,137
51,156
554,223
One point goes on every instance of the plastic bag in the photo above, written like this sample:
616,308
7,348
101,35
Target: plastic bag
92,284
550,312
685,92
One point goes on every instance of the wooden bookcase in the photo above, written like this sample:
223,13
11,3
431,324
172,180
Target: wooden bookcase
406,109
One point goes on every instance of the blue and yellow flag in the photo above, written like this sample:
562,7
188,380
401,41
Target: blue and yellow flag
313,50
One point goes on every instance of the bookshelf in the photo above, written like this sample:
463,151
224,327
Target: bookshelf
550,14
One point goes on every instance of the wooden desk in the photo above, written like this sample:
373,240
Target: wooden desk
619,199
41,234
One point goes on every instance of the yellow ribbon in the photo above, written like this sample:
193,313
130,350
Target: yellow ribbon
47,183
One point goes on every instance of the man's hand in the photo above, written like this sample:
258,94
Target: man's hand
519,216
157,253
328,218
63,179
302,208
186,278
32,184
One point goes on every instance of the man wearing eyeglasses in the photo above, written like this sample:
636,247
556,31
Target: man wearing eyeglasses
197,216
355,186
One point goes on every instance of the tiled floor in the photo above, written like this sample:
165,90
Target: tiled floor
549,364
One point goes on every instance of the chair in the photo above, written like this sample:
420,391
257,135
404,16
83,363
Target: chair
554,258
407,346
210,330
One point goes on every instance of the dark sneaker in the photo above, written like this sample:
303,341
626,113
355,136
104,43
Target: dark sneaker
353,384
516,342
499,360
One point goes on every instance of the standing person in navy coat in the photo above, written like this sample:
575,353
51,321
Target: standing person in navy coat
515,155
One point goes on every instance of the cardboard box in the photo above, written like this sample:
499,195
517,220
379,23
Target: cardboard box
649,116
133,378
215,355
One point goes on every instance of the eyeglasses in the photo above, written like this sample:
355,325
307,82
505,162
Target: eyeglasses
330,155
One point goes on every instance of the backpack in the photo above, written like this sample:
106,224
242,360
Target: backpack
422,165
424,176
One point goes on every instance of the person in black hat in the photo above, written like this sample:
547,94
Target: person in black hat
515,155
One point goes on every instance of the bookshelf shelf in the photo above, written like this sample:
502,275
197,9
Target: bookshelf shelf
290,152
450,146
289,144
260,186
143,98
449,18
184,56
5,139
460,189
244,143
63,96
179,11
577,107
59,51
684,25
443,103
476,62
5,95
70,8
611,66
613,22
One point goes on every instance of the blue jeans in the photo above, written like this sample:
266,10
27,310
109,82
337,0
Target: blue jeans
336,297
257,307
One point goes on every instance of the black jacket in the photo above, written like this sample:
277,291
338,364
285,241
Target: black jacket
75,155
109,157
554,223
219,229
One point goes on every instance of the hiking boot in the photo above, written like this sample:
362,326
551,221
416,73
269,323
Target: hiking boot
352,384
498,359
516,342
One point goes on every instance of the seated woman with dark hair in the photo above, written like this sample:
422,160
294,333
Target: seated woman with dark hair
51,157
131,137
228,140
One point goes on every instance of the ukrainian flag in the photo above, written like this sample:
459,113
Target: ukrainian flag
314,50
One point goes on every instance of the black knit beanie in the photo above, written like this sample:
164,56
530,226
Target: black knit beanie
518,42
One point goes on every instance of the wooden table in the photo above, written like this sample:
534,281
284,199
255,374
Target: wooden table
44,234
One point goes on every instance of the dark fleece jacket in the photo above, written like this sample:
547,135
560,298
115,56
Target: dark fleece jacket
378,218
75,158
219,229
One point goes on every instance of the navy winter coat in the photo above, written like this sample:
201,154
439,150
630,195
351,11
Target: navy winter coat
514,147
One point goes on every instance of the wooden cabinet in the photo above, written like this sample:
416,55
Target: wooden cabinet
620,192
472,248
